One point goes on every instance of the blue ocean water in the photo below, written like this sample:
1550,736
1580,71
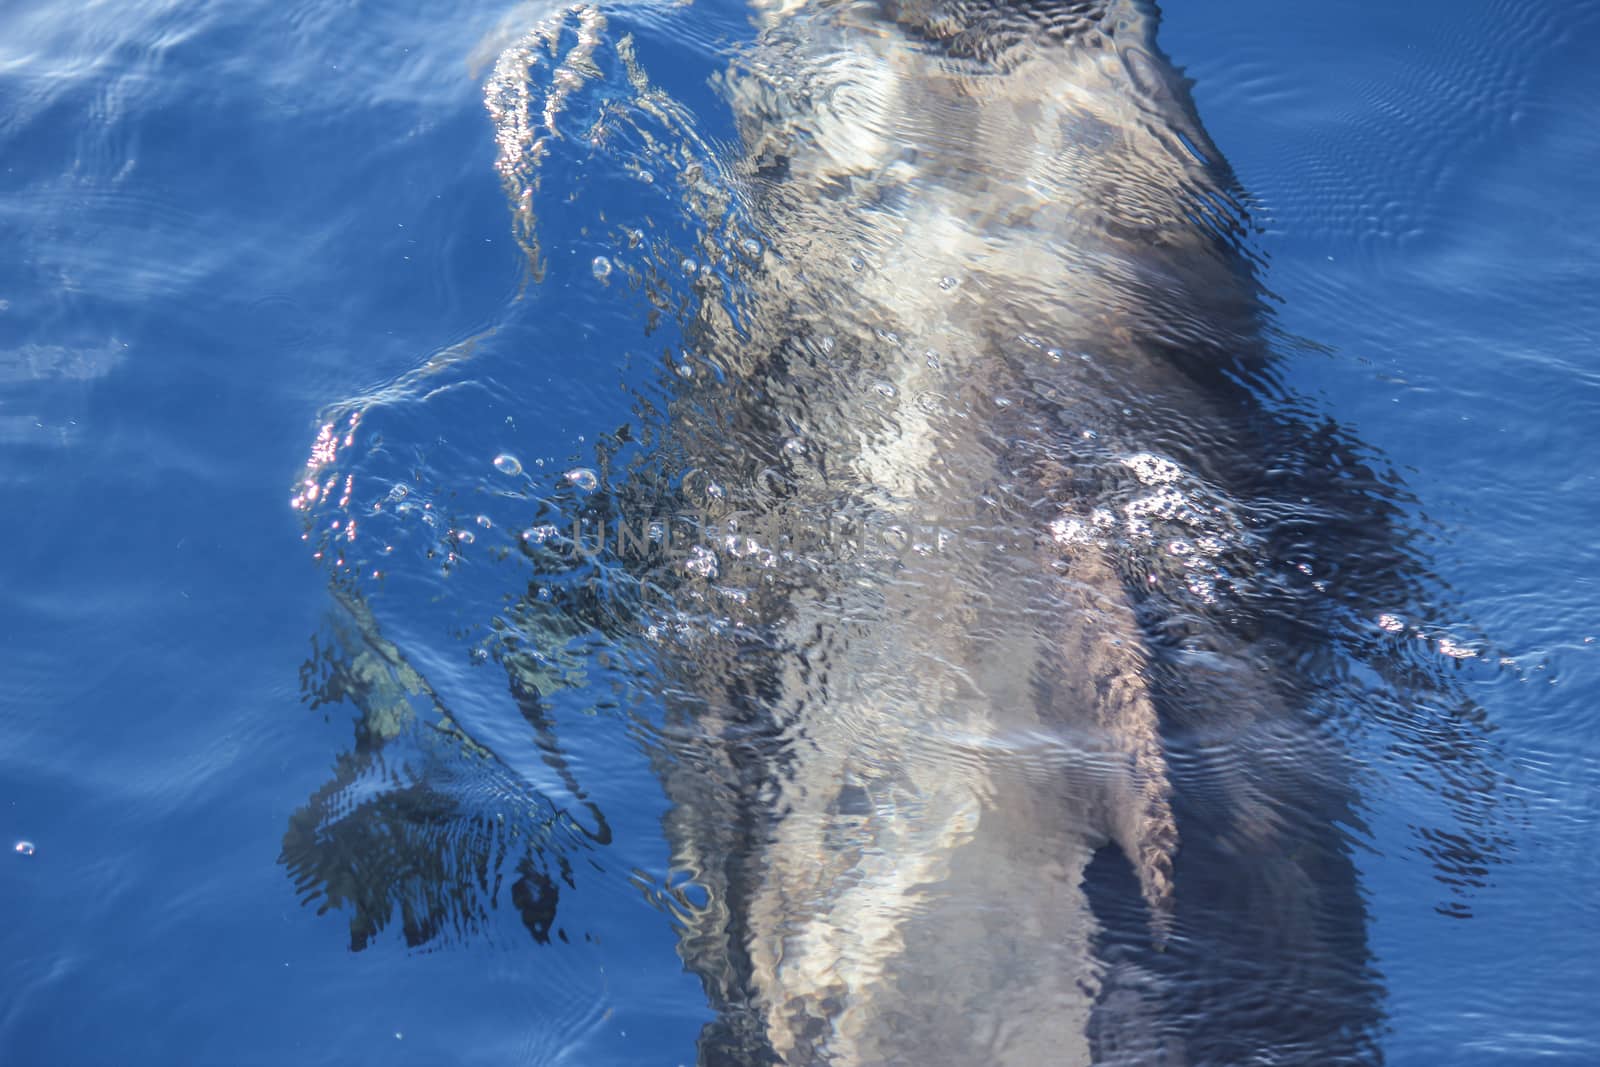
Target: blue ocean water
224,221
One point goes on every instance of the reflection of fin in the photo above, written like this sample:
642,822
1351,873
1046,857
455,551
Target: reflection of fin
420,824
534,895
382,683
374,846
1104,640
531,704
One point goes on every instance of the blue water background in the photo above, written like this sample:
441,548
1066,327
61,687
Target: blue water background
219,218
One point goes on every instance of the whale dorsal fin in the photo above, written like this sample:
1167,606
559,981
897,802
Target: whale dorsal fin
1103,642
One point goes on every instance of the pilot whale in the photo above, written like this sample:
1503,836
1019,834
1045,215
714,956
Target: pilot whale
1002,326
991,695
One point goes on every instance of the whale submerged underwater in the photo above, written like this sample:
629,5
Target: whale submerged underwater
1004,687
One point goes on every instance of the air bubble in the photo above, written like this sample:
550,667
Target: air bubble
601,267
505,463
24,848
1152,469
584,479
1070,531
701,562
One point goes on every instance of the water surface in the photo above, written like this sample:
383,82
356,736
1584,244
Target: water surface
234,225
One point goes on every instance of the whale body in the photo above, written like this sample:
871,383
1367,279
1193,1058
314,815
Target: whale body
993,692
1001,330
